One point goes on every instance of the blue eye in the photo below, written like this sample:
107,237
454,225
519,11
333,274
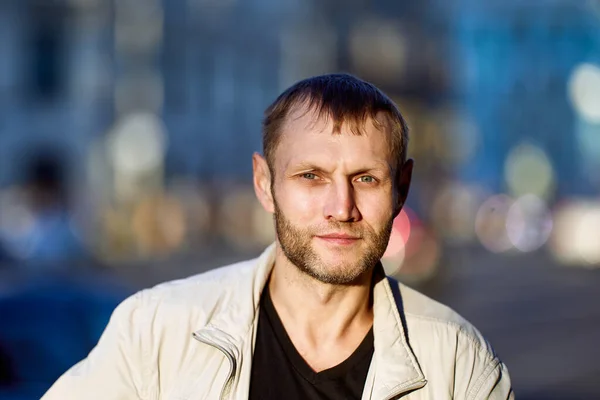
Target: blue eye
309,175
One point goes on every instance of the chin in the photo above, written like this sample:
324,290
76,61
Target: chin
338,256
342,275
341,265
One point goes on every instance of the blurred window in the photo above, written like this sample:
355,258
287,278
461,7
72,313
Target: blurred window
46,47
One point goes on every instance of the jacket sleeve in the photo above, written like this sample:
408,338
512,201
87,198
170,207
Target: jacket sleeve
479,373
493,383
113,370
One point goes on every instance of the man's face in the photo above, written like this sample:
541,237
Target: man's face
333,197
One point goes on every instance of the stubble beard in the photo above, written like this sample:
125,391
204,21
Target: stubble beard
296,244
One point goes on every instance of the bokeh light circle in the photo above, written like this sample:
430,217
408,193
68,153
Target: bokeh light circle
575,239
453,211
138,143
584,91
528,223
528,170
490,223
394,255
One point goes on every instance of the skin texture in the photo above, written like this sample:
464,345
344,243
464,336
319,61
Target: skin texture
334,197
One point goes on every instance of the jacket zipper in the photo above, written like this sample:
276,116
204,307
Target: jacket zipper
232,363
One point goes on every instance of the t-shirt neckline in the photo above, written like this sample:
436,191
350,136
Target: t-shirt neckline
365,348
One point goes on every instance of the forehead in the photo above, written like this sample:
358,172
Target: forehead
306,136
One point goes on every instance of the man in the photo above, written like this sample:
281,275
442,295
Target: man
314,317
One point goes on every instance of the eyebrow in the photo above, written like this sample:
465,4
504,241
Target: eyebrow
311,166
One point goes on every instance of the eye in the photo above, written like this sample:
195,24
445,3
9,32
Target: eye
309,175
366,179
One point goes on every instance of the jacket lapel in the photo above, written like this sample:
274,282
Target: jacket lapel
395,366
238,320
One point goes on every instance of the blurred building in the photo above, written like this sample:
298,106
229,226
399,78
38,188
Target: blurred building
156,105
512,68
54,84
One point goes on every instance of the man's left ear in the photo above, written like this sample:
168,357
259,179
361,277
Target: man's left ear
403,185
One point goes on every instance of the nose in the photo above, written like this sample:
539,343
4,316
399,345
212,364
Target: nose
341,203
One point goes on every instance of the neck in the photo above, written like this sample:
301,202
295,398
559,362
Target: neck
318,313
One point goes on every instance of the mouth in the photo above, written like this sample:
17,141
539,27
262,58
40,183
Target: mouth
339,238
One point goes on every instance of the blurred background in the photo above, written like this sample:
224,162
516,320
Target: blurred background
126,134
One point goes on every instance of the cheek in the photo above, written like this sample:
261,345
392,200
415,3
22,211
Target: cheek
298,205
376,210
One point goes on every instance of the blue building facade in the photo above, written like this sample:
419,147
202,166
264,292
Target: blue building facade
512,68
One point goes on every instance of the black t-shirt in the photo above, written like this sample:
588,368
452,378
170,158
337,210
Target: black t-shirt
280,372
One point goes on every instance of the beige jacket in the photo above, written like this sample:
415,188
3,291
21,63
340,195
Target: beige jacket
193,339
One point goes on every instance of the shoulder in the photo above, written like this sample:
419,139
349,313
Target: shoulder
193,299
439,336
426,315
206,285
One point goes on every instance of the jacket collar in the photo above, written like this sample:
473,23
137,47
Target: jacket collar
395,368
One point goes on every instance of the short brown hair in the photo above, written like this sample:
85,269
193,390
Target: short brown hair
345,99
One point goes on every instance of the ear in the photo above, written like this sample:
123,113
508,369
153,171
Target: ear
404,179
262,182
